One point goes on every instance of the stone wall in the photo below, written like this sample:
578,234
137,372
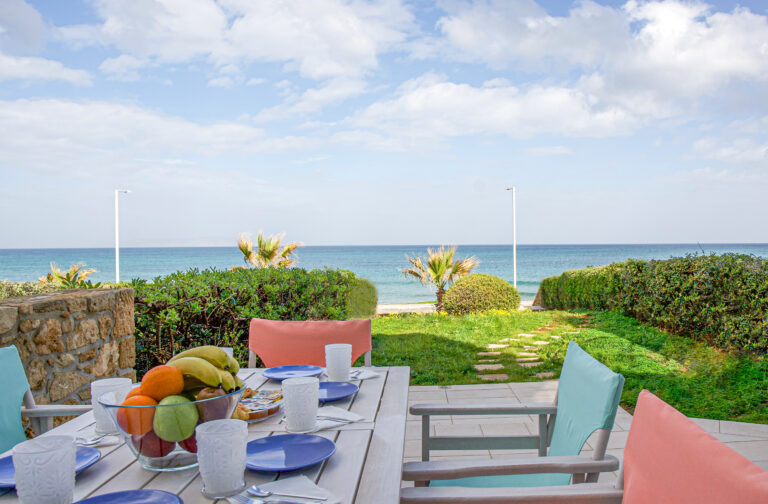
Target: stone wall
67,339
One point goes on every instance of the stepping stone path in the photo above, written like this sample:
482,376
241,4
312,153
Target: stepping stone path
529,347
527,354
496,346
488,367
571,332
526,359
531,364
488,354
545,374
525,335
541,343
487,360
555,337
494,377
508,339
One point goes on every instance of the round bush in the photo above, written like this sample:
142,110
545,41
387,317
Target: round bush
480,292
362,299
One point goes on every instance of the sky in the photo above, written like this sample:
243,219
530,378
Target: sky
383,122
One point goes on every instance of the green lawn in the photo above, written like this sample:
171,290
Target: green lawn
697,379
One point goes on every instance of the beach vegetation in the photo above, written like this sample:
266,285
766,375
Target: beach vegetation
362,299
698,379
269,251
76,277
10,289
720,299
439,270
480,292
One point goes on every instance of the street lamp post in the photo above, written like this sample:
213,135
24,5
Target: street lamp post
117,235
514,234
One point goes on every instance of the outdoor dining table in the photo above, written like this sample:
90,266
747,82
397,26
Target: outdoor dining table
366,467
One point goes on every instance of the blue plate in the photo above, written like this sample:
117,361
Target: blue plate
134,497
287,452
84,457
280,373
333,390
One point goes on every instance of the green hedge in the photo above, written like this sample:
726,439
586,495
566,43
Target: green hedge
215,307
720,298
480,292
362,299
16,289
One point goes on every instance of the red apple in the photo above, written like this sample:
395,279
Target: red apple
189,444
150,445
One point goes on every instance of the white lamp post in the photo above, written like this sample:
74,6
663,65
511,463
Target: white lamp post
117,236
514,234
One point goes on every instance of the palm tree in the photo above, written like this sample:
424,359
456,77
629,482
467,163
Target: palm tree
440,271
268,253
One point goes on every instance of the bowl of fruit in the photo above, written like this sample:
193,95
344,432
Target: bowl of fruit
158,417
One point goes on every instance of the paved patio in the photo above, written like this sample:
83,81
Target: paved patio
751,440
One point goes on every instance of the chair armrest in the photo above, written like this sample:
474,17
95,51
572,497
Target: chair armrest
484,409
453,469
585,493
54,410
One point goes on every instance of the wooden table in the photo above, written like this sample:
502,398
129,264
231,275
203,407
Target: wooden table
365,469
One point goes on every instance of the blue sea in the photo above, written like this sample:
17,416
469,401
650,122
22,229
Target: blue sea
380,264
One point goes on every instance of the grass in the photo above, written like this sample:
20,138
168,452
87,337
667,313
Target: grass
695,378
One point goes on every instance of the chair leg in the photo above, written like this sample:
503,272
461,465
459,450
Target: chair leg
251,359
425,438
367,358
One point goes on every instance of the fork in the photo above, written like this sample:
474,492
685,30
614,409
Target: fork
242,499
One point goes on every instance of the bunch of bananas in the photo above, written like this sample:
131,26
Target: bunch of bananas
207,366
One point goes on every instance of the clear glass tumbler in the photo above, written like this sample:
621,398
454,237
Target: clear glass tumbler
120,387
221,448
338,361
300,397
44,469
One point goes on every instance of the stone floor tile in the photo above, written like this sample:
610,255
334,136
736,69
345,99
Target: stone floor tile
708,425
505,429
494,377
426,395
466,429
489,367
753,450
479,386
424,387
460,396
743,428
617,440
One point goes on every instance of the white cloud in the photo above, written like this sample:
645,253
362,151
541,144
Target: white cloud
29,68
21,27
314,99
430,108
93,136
123,68
255,81
549,150
222,82
738,151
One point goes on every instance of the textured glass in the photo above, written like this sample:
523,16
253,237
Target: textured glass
45,470
338,361
221,446
120,387
300,396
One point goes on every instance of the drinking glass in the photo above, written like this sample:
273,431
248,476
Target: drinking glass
300,396
338,361
221,446
120,387
44,469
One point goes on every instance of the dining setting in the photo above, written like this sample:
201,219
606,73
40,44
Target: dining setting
201,429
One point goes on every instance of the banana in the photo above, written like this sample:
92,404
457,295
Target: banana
227,381
198,368
238,382
234,366
210,353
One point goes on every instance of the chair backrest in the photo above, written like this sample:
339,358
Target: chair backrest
14,386
282,342
587,399
670,459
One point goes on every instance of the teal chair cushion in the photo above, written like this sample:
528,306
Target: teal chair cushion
587,399
14,386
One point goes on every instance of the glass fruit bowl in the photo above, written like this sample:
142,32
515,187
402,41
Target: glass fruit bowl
162,437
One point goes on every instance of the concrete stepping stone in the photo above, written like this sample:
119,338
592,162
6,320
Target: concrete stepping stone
541,343
529,347
555,337
571,332
495,346
525,335
488,367
531,364
494,377
545,374
527,359
508,339
488,354
527,354
485,361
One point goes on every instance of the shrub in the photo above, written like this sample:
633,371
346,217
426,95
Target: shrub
191,308
480,292
362,299
17,289
720,298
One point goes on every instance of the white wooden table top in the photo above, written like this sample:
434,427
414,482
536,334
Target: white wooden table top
366,467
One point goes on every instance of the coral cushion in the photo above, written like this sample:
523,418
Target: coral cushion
670,459
283,342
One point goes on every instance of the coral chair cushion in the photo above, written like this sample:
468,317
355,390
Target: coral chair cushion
15,385
670,459
283,342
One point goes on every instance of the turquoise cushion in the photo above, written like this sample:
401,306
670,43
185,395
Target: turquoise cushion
587,399
15,385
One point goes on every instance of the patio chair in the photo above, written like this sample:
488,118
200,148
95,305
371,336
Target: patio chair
587,399
282,342
668,459
16,401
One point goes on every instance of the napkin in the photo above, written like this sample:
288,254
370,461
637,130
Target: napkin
334,412
365,374
300,485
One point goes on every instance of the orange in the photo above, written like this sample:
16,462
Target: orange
161,382
136,421
134,391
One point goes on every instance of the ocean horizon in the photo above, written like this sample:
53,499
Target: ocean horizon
382,264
